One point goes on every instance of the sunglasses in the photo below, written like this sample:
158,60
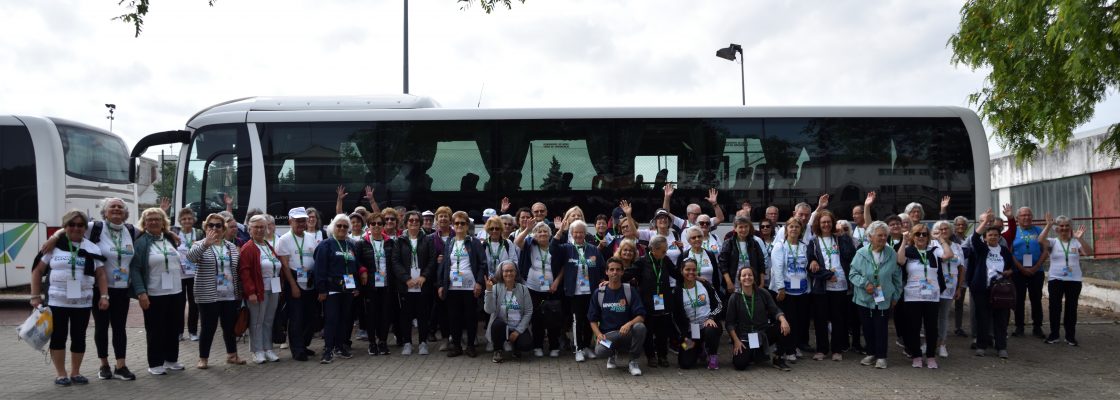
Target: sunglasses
216,226
378,223
342,226
921,234
495,229
76,225
460,223
413,220
765,227
703,223
387,219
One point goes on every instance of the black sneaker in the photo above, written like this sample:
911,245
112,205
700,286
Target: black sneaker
471,351
123,374
497,357
63,381
1071,342
105,373
1051,339
344,353
1018,332
79,380
383,348
327,358
1038,333
373,349
779,363
960,332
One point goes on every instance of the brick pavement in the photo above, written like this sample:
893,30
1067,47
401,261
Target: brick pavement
1035,370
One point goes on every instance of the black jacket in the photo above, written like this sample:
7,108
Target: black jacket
476,256
729,258
642,273
402,261
819,279
675,304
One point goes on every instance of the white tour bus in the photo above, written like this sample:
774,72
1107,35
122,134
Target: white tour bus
49,166
275,153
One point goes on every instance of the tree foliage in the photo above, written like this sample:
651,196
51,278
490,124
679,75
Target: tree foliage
488,5
165,187
1051,62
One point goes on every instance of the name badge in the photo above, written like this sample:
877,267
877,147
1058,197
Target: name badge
301,277
274,282
659,302
1028,260
456,279
584,284
165,281
348,281
879,298
694,329
605,343
544,285
795,284
378,279
73,289
752,340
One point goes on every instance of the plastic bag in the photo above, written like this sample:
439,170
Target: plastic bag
36,330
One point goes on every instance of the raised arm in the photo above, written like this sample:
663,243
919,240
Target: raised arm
944,213
340,195
373,208
1042,242
1086,248
867,203
668,189
713,200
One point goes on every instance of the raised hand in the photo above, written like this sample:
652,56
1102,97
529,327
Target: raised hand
558,222
822,202
870,200
625,206
747,208
945,200
368,193
1079,232
504,208
1007,212
227,199
341,192
1049,219
712,196
668,190
164,204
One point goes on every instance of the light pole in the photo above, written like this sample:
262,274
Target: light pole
405,46
728,53
112,108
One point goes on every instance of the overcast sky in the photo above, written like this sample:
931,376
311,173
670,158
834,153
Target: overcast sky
66,58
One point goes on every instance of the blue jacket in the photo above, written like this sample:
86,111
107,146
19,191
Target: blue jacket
977,273
565,258
332,262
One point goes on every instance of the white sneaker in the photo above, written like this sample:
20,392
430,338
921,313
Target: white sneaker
406,350
791,358
157,371
258,357
590,354
194,338
423,349
538,352
881,363
611,363
797,352
580,357
172,366
942,351
635,370
554,353
443,346
284,346
867,360
507,346
271,356
490,347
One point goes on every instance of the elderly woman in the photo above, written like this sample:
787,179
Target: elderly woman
582,269
414,266
1064,274
114,238
924,282
652,273
696,310
830,258
156,279
461,273
991,262
336,270
876,280
511,309
706,261
789,271
216,290
187,236
749,311
543,279
374,254
261,272
497,247
73,266
951,256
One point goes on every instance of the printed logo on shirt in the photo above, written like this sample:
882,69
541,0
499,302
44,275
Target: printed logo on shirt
618,307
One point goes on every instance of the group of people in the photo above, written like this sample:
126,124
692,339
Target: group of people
623,290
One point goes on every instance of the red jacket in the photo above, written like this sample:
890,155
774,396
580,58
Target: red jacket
252,281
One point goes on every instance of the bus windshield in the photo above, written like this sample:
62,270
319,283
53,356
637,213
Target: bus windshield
93,155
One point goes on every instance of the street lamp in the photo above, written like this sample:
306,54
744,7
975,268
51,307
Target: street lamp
728,53
112,108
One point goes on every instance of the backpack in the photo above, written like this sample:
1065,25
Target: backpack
625,292
98,226
1002,294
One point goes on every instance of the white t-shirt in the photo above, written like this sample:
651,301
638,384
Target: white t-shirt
830,250
186,240
62,293
118,251
704,267
461,275
921,282
712,243
540,273
697,303
301,253
165,272
950,268
1065,260
789,269
496,253
511,309
994,263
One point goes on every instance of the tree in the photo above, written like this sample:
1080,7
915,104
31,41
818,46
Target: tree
138,9
165,188
555,179
1051,62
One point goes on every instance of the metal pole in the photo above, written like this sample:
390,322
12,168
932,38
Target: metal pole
743,77
406,46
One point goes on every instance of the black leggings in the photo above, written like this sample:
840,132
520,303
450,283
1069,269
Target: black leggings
831,306
499,335
192,308
73,321
114,317
659,328
920,313
550,320
1071,290
709,343
580,304
462,314
415,306
796,309
211,314
163,323
749,356
376,306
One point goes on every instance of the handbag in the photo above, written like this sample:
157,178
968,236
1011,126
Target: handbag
1002,294
242,323
36,329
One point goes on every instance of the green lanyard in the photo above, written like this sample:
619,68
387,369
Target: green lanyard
346,256
700,257
925,263
1065,249
74,261
1026,238
508,302
743,256
166,257
875,272
494,254
217,249
893,242
544,259
117,239
792,251
656,270
267,253
299,247
459,254
750,307
827,250
377,252
692,297
582,261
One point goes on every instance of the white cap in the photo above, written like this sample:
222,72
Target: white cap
298,212
427,213
489,212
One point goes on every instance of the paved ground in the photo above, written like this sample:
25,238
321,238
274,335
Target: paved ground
1035,370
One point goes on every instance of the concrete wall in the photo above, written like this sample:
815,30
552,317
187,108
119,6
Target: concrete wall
1106,203
1079,158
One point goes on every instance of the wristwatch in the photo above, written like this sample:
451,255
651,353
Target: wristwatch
105,297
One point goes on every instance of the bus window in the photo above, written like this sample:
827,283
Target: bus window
216,158
651,169
458,166
557,165
795,160
93,155
19,197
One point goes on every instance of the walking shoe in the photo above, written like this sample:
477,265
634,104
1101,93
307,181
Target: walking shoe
1071,342
406,350
454,351
344,353
372,350
881,363
104,373
383,348
444,346
258,357
867,361
916,362
797,353
931,363
63,381
490,346
157,370
554,353
580,357
960,332
79,380
516,354
779,363
497,357
471,351
713,362
1003,354
663,362
818,357
194,337
172,366
328,357
837,357
1038,333
791,358
271,356
284,346
590,354
1018,332
611,363
1051,340
538,352
942,351
423,350
635,369
123,374
979,352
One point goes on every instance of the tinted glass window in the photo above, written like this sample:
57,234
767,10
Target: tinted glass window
19,196
93,155
218,165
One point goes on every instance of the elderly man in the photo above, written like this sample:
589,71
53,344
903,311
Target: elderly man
1028,276
693,210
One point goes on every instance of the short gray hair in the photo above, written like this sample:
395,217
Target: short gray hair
877,226
915,205
578,224
658,242
105,203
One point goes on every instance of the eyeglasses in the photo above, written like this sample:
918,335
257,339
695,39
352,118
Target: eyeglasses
921,234
460,223
378,223
76,225
765,227
215,226
342,227
413,220
703,223
495,229
387,219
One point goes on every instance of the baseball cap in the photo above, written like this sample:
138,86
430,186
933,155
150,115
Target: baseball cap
489,212
298,212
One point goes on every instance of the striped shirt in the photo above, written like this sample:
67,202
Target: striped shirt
205,279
